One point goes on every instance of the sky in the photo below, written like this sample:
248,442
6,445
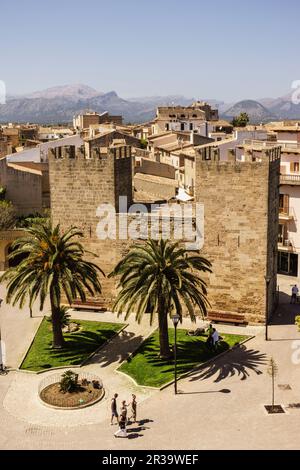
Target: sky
226,50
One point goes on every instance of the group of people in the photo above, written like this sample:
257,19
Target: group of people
213,337
122,418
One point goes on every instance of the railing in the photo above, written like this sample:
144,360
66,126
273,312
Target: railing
286,245
261,143
289,179
287,211
289,145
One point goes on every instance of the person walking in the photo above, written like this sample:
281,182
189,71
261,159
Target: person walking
215,338
114,410
124,409
133,408
210,341
295,292
122,432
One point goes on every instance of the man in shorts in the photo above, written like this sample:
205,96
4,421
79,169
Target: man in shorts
114,411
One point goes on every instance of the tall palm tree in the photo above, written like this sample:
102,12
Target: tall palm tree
156,278
52,264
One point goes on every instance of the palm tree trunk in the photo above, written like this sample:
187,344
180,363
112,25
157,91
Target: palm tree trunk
165,351
58,338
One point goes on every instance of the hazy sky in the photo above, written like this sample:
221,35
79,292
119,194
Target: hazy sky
227,49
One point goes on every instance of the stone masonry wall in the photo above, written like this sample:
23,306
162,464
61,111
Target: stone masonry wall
240,232
78,186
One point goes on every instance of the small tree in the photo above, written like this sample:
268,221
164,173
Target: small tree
144,143
64,316
8,215
297,322
241,121
2,193
69,382
272,371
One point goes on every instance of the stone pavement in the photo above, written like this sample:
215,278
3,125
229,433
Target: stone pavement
17,329
220,405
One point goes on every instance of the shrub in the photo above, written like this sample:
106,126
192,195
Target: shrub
69,382
2,193
297,322
8,215
64,317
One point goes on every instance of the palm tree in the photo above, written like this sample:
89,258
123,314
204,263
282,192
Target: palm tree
157,277
52,264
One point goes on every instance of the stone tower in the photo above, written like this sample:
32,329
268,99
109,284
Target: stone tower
240,229
78,185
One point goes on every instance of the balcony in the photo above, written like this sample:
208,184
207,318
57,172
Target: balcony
286,147
286,213
286,245
290,179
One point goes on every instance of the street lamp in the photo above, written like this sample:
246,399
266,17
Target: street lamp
268,280
175,320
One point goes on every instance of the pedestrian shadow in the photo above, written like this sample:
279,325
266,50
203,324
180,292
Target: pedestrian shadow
145,421
240,361
135,432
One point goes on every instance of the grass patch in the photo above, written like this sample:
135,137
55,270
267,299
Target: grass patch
79,345
147,369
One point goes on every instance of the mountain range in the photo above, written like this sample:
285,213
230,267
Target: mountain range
59,104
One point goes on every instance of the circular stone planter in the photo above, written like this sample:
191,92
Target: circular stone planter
87,393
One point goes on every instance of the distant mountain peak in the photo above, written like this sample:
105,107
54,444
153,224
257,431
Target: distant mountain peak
256,111
77,90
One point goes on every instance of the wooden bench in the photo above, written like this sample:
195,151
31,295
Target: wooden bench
226,317
95,305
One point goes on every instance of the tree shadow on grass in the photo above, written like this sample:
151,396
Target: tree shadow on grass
240,361
123,345
189,354
77,347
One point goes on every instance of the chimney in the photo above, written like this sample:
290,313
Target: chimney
192,137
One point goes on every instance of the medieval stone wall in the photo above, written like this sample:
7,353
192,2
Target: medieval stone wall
240,230
240,212
78,186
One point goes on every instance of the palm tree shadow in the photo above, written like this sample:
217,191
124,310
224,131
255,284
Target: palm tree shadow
240,361
123,344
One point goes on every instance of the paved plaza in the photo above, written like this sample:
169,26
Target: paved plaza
220,406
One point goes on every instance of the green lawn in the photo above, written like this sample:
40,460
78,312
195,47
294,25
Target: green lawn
79,345
147,369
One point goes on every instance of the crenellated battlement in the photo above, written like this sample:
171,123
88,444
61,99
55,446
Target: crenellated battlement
264,156
69,152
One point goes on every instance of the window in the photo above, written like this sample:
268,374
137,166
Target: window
191,126
282,233
287,263
182,126
284,203
294,167
167,127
